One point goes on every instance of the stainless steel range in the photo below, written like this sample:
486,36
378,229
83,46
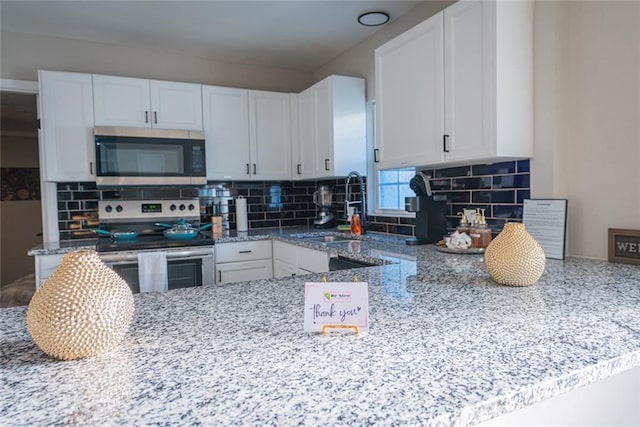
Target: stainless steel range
134,227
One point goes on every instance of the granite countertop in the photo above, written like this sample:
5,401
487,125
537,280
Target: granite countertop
446,346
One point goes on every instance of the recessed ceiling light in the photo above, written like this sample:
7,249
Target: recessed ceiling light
373,18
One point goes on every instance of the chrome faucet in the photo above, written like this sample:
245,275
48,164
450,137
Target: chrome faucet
362,201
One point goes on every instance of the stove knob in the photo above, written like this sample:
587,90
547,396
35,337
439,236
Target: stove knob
119,208
173,207
182,207
108,208
191,207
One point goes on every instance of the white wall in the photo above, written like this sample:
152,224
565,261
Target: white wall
20,221
587,129
24,54
359,60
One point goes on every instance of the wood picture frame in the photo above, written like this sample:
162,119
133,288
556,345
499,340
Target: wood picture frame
624,246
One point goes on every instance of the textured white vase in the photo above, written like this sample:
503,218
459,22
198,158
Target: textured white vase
514,258
83,309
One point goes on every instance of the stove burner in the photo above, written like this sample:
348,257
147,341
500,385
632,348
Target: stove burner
106,244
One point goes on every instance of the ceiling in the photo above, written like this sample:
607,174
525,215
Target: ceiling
302,34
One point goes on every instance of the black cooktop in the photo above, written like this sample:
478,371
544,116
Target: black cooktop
107,244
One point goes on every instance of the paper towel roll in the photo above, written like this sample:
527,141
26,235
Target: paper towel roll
242,223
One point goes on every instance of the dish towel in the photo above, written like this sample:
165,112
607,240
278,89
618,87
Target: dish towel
152,271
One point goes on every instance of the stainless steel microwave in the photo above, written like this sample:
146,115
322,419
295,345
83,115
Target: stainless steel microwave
141,156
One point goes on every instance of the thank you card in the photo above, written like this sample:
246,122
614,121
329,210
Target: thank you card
337,303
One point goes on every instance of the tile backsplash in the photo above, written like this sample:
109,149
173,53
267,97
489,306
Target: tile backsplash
499,188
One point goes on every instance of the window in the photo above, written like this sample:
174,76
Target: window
393,187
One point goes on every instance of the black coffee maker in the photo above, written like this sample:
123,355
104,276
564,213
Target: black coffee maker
431,211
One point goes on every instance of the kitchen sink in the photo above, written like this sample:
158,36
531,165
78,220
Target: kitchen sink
336,239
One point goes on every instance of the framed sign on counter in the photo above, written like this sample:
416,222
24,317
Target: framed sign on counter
546,221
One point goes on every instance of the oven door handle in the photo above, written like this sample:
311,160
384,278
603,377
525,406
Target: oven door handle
119,257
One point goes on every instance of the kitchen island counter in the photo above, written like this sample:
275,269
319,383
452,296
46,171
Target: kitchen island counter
446,346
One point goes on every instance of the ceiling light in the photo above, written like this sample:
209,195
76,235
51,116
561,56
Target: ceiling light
373,18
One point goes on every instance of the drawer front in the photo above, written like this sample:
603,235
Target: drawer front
243,271
243,251
314,261
285,252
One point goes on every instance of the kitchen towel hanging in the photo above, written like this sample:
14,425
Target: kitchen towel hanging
242,223
152,271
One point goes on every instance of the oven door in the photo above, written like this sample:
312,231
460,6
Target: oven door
148,157
186,267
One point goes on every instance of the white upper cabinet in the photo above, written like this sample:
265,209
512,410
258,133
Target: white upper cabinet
176,105
340,128
331,138
248,134
488,67
303,144
226,131
409,92
481,78
270,135
66,108
131,102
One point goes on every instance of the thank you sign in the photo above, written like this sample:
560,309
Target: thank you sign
338,303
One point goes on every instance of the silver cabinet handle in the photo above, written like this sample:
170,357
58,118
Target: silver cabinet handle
146,116
244,252
255,170
445,143
375,155
326,164
247,168
90,168
219,276
155,116
299,171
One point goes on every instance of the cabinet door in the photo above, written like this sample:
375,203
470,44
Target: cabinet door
304,146
409,96
226,130
243,251
66,106
283,269
121,101
323,116
285,252
176,105
242,271
468,76
270,135
312,260
45,265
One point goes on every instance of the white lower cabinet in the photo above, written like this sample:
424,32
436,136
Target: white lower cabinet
242,271
45,265
291,260
284,269
241,261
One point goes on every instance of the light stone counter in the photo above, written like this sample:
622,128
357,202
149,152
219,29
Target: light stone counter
446,346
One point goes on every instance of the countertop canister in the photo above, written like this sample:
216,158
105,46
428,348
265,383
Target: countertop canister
242,223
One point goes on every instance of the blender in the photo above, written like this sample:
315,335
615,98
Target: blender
322,199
